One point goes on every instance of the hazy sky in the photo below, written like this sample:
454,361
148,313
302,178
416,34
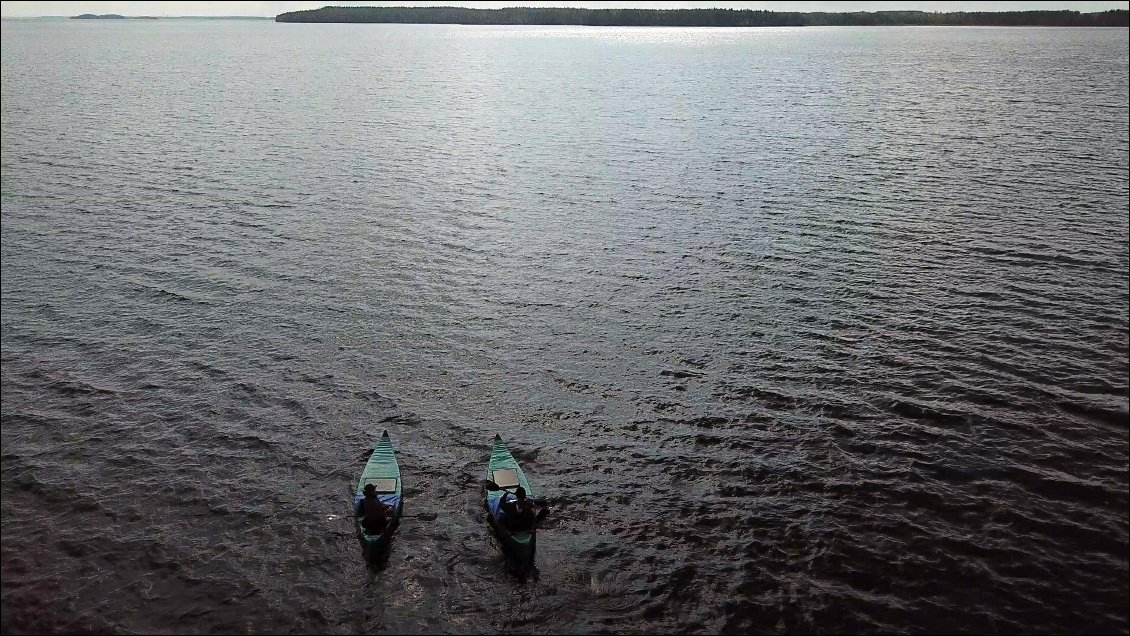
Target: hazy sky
15,9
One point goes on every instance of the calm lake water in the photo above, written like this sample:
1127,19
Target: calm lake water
800,330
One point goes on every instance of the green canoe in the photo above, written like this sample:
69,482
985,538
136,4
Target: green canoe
383,472
505,471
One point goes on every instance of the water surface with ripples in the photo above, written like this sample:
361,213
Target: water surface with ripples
800,329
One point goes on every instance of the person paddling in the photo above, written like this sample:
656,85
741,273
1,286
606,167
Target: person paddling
376,512
519,513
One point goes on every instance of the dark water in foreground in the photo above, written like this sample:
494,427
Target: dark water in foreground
801,329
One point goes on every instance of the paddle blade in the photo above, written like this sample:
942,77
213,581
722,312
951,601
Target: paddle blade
541,515
491,486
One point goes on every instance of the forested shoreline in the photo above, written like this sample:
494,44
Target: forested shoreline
700,17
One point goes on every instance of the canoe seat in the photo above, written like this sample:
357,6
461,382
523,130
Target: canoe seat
506,478
382,485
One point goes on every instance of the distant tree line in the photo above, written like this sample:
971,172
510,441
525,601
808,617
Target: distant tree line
701,17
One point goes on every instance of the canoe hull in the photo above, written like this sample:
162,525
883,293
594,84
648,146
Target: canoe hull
520,546
383,470
376,546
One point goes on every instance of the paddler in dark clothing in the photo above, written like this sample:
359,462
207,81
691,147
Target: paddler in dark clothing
377,513
519,513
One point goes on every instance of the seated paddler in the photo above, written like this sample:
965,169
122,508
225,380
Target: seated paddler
376,513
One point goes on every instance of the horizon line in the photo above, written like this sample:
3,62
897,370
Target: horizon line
518,6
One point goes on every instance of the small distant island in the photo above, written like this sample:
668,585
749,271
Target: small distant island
104,16
701,17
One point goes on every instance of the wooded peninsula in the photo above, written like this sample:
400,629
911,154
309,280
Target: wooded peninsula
701,17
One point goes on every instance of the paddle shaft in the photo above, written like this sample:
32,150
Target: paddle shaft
490,485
